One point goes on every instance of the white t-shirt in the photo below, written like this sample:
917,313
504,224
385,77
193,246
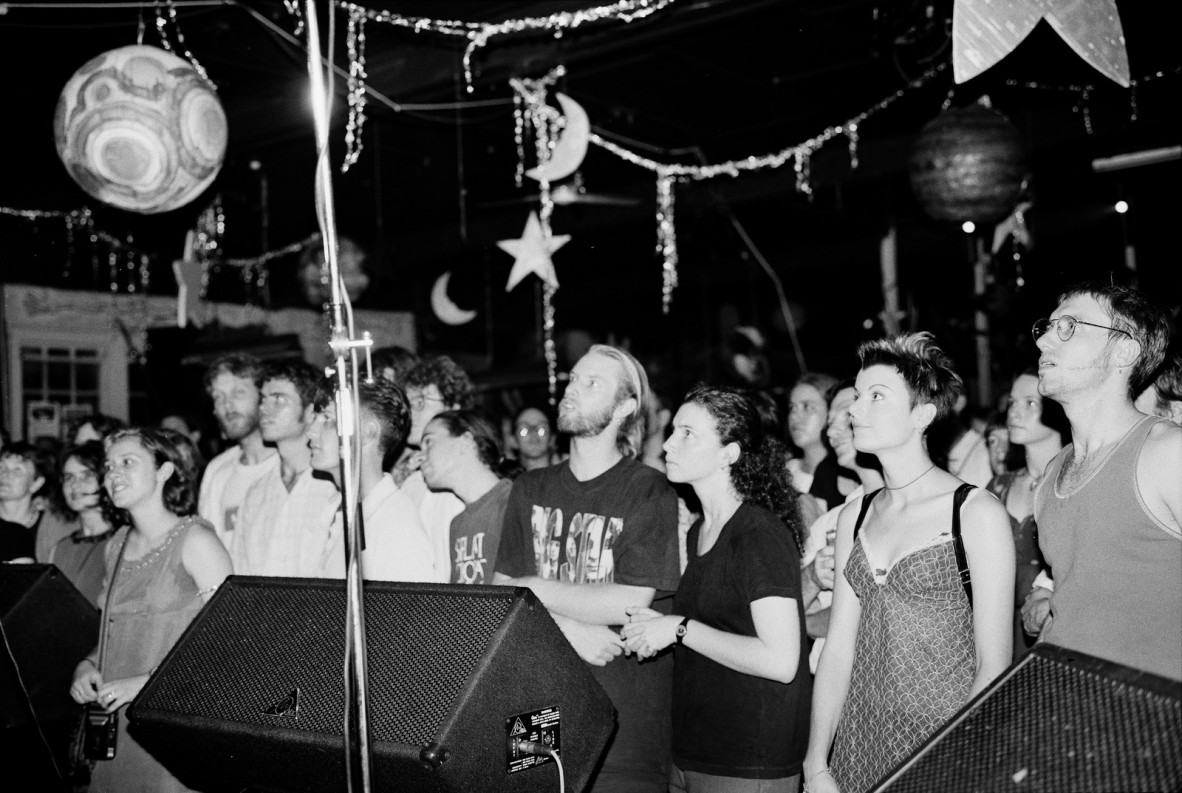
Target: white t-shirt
226,480
396,544
818,538
436,509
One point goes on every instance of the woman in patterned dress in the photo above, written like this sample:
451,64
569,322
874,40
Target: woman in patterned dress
906,646
160,571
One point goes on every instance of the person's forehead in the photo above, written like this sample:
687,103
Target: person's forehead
74,464
842,400
11,460
430,390
1083,307
599,366
693,415
880,374
1025,384
279,385
228,381
126,446
532,418
803,392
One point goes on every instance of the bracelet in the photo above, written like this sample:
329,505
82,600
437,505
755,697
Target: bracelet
809,781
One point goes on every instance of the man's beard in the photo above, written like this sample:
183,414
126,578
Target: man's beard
585,426
237,426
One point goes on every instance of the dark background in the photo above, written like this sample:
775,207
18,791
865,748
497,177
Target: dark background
697,82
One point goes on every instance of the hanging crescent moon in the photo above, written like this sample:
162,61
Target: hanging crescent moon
447,311
571,147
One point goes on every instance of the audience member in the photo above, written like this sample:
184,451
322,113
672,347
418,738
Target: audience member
287,514
1038,427
393,363
80,554
593,536
433,386
806,429
737,619
1003,455
957,447
233,383
1109,508
25,473
396,547
908,643
819,572
462,454
534,440
162,569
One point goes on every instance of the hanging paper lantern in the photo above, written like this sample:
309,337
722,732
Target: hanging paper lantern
314,271
968,163
138,128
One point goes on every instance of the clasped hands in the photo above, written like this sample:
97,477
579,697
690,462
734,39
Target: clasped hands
648,632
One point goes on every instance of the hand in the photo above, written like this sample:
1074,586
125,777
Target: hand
821,783
824,567
648,632
1036,610
118,693
598,645
86,683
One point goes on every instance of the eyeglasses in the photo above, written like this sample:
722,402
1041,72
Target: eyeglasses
540,430
419,402
1065,327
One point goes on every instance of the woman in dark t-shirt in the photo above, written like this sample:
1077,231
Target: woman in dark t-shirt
740,699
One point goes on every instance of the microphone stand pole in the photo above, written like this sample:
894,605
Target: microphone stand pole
358,762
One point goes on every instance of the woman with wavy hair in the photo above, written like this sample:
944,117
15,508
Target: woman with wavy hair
160,571
740,700
922,612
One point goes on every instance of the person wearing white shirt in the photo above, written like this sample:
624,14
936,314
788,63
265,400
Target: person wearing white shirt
233,383
286,517
395,544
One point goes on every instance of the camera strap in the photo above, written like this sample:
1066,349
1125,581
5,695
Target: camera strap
102,648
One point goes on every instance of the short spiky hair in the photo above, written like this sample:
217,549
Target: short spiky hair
237,364
922,365
445,374
1131,312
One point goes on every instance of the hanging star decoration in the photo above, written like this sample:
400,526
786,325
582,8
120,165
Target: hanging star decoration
531,253
985,31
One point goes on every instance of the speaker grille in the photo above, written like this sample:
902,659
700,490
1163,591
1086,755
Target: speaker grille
266,641
1053,726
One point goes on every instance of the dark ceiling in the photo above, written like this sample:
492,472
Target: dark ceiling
699,82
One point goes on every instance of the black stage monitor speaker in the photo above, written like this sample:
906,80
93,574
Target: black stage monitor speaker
50,628
1057,720
252,693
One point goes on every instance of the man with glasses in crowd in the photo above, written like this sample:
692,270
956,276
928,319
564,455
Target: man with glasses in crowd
1109,507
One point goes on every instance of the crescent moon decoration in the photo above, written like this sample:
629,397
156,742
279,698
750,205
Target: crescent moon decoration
447,311
571,147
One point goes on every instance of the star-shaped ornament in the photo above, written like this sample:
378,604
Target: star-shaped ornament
531,253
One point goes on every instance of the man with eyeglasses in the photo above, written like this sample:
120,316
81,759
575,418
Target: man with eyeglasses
533,438
286,516
433,385
1109,506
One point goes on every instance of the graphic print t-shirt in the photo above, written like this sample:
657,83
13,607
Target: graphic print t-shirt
476,535
620,527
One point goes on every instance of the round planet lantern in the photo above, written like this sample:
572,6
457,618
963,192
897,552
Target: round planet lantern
968,163
138,128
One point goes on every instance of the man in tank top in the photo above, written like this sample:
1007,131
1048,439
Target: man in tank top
1109,507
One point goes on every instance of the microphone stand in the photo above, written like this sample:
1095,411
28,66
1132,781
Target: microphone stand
358,762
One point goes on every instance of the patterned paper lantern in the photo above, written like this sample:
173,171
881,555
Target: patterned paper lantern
140,129
969,163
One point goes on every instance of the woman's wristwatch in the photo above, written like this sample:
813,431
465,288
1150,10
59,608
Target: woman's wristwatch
681,629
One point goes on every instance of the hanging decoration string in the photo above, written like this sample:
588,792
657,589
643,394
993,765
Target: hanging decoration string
546,123
1084,93
479,33
355,46
180,38
666,238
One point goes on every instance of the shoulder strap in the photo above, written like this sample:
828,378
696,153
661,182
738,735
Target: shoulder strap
962,562
866,499
106,616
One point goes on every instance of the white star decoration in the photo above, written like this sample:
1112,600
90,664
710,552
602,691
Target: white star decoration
531,253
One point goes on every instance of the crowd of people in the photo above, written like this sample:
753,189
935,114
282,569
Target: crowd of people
771,605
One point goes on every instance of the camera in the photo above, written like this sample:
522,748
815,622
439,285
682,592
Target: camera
101,732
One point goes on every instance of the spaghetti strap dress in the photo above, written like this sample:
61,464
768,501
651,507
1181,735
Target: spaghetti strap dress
914,660
153,601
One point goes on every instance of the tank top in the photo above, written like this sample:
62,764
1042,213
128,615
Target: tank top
1117,568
